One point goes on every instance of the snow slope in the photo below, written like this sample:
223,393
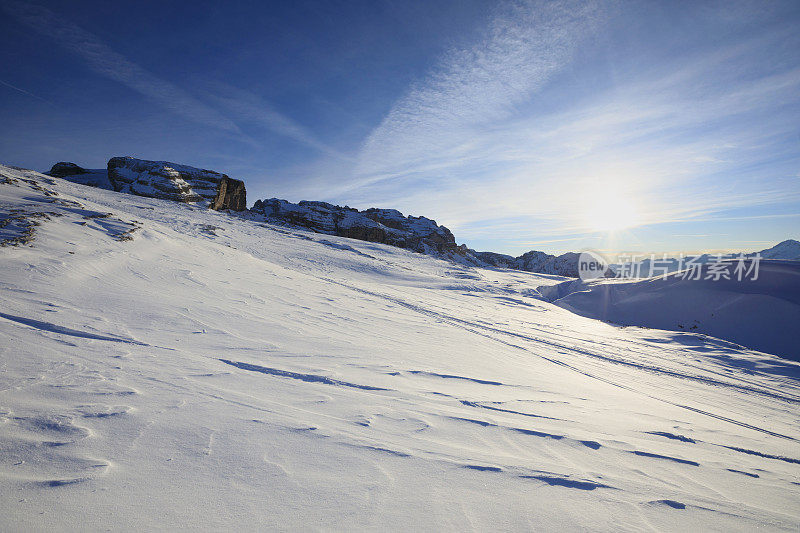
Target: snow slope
166,366
761,313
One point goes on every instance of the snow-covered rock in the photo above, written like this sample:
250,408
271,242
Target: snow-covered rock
420,234
494,259
533,261
543,263
180,183
387,226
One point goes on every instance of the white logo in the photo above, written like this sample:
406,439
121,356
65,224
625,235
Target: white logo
591,265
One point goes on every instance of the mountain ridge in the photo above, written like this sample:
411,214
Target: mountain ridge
183,183
178,182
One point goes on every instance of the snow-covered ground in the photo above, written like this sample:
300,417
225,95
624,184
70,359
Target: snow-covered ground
166,366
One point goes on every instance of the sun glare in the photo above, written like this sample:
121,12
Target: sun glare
610,212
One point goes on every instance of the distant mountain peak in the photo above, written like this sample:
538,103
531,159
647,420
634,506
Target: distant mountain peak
786,250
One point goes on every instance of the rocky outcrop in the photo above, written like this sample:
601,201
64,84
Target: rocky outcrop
94,177
419,234
179,183
64,168
387,226
494,259
534,261
543,263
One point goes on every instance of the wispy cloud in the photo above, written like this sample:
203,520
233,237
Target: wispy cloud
103,60
231,107
473,88
248,107
23,91
685,138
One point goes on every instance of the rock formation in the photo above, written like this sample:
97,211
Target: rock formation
543,263
534,261
387,226
180,183
419,234
94,177
64,168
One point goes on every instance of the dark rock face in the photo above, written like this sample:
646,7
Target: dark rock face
179,183
64,168
387,226
230,195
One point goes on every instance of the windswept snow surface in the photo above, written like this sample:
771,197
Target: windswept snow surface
166,366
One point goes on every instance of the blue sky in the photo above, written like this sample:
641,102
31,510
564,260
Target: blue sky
637,126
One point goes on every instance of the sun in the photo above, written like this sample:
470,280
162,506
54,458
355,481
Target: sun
608,212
